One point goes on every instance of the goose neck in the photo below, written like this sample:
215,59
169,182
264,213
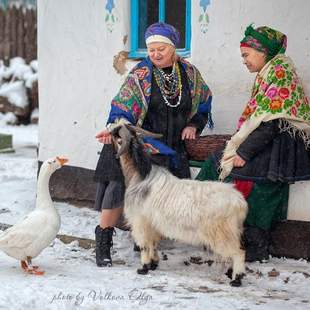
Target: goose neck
43,193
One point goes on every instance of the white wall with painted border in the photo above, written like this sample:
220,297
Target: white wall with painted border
77,81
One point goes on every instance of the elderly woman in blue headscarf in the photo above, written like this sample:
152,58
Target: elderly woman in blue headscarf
164,94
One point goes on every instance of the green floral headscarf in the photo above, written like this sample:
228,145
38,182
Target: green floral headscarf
277,94
266,40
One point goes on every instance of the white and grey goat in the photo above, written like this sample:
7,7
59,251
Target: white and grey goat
158,204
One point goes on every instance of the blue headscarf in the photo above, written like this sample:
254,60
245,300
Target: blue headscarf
162,32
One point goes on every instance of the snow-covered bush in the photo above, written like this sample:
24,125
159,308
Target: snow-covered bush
18,89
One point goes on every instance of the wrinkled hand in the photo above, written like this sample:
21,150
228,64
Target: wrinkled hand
104,136
189,133
239,162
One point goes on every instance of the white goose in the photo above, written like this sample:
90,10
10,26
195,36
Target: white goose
28,238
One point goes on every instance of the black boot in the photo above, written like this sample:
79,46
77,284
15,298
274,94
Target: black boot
256,242
103,246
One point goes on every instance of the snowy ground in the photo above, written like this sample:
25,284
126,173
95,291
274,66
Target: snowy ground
72,280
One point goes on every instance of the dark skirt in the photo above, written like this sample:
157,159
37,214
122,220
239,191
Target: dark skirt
109,195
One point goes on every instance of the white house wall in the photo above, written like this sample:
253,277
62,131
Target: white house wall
77,80
217,51
77,43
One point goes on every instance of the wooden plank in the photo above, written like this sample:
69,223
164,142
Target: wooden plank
6,40
30,35
2,23
20,48
18,33
13,30
291,239
83,242
34,34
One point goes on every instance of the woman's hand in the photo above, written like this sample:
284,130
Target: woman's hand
104,136
239,162
189,132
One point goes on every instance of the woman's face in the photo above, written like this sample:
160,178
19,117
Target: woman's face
253,59
161,54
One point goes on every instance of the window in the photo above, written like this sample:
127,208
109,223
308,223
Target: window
147,12
4,4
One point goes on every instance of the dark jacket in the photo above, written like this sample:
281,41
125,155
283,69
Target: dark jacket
273,155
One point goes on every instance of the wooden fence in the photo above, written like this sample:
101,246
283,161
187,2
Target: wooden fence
18,33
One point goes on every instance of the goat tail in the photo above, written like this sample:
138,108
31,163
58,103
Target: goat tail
239,207
243,209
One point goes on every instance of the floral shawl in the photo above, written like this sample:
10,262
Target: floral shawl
133,98
277,94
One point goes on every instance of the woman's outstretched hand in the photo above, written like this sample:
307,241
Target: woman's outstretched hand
239,162
189,133
104,136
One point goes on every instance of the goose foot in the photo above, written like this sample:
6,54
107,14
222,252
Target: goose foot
24,265
31,269
36,272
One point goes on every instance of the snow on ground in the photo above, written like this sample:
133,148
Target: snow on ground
72,280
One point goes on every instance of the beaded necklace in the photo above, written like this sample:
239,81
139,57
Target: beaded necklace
170,84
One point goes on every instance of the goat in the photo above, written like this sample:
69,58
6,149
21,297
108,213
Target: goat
158,204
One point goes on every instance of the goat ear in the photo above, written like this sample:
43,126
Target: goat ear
142,132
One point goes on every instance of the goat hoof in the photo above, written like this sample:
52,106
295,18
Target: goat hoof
143,270
237,281
229,273
153,265
136,248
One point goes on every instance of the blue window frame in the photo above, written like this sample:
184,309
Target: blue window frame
147,12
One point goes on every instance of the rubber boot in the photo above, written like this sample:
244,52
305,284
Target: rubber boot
256,242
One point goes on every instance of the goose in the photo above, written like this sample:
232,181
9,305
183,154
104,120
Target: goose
27,239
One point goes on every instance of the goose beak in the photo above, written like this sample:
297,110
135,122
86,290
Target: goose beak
62,160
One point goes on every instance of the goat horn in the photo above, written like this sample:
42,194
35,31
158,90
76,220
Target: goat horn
125,135
144,133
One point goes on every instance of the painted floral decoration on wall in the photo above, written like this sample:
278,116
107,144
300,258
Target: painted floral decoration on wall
204,17
110,17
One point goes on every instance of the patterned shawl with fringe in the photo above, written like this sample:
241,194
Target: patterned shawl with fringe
133,99
277,94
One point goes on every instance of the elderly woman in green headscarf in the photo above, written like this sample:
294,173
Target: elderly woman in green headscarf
271,146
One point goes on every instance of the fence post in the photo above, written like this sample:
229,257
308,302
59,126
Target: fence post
2,25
